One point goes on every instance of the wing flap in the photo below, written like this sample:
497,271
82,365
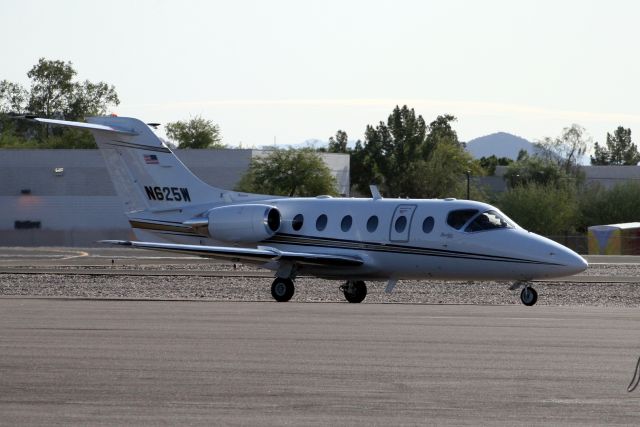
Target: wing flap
260,255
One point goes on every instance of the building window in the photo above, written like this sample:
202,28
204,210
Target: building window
321,222
26,225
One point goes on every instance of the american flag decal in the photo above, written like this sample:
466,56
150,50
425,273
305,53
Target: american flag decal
151,159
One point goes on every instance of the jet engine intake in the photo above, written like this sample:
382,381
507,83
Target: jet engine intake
250,223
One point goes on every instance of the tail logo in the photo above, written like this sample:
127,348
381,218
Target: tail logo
151,159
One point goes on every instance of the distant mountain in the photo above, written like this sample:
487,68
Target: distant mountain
501,144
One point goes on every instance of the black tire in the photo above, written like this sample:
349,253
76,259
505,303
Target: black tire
282,289
356,293
528,296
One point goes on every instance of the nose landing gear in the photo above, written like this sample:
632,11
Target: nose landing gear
528,296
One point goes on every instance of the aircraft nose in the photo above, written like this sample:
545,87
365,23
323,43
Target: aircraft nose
572,262
565,261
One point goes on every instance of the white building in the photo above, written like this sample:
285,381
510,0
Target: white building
65,197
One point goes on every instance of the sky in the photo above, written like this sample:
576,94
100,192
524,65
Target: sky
289,71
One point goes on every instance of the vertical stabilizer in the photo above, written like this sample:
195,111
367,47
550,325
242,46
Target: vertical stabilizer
146,174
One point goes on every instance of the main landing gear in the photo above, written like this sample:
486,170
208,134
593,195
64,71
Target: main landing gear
282,289
355,291
528,295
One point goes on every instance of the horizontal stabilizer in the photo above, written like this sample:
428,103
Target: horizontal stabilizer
251,255
87,126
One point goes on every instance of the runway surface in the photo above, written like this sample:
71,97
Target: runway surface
127,360
100,256
83,362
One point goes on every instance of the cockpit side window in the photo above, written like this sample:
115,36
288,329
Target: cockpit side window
458,218
488,220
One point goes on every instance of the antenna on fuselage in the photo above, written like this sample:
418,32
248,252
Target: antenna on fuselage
375,193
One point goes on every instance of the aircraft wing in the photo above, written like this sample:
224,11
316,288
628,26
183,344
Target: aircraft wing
260,255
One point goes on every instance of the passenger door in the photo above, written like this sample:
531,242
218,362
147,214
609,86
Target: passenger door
401,223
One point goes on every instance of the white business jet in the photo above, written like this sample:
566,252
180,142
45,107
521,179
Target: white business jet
348,239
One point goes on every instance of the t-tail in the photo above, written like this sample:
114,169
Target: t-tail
157,189
144,171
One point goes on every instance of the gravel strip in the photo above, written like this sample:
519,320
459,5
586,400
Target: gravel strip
316,290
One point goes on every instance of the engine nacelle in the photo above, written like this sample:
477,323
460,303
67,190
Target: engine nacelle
243,223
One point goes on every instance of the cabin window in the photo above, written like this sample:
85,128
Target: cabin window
401,224
372,224
321,222
297,222
427,225
488,220
345,225
458,218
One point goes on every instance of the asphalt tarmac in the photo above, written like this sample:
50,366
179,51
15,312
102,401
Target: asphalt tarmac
84,362
126,362
99,256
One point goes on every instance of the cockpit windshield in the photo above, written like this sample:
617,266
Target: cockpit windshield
488,220
458,218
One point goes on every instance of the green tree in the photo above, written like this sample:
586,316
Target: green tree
600,155
195,133
444,174
9,138
52,93
290,172
338,144
535,170
13,97
441,132
405,157
620,149
361,175
51,87
489,164
91,99
543,209
567,149
599,205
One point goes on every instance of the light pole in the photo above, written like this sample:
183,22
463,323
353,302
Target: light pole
468,173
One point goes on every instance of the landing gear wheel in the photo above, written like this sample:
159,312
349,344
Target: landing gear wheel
528,296
355,291
282,289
